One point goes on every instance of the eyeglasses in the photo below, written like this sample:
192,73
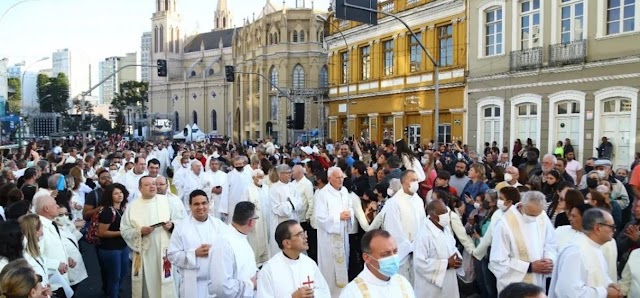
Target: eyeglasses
256,217
613,227
39,278
302,234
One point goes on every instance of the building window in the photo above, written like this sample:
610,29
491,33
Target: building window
621,16
527,122
193,73
161,39
415,58
177,41
155,40
214,120
365,54
210,71
273,76
301,36
273,111
321,37
171,39
194,117
298,77
493,32
344,60
529,24
445,38
571,21
324,77
491,124
295,36
388,57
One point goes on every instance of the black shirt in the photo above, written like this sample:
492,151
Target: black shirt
106,216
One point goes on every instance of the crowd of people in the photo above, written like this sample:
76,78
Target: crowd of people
334,219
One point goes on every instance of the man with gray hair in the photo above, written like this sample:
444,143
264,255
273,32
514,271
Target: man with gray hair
239,179
581,269
619,192
284,202
524,245
539,177
304,189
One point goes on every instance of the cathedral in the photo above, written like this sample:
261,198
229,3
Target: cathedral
282,45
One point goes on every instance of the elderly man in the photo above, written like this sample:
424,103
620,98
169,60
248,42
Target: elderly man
284,203
524,246
581,269
258,194
176,204
239,180
619,193
335,216
539,177
304,189
192,181
511,176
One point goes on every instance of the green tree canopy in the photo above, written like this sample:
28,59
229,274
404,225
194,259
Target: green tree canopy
15,98
53,93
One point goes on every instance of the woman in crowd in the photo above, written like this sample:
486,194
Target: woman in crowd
112,250
557,207
409,160
475,189
486,279
18,280
550,186
31,228
10,242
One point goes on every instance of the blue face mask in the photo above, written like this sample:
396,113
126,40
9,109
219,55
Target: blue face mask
61,184
389,266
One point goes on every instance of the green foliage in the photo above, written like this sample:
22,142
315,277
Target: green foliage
132,94
102,124
15,99
77,106
53,94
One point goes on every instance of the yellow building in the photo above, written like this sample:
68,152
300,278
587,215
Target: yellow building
383,82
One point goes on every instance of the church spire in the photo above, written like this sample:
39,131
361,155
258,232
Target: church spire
223,18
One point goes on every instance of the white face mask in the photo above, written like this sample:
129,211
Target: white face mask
260,181
414,187
529,218
390,192
444,219
62,220
476,205
508,177
185,165
501,205
424,161
601,174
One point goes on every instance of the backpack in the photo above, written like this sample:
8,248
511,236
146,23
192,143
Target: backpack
92,231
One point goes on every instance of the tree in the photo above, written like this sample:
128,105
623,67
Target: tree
15,98
53,94
132,94
77,106
102,123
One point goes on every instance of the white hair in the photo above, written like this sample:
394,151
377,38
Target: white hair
301,168
533,197
332,170
257,172
395,185
40,201
282,168
553,158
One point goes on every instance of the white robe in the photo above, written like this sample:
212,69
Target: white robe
151,274
70,237
185,239
238,183
377,288
539,242
281,209
259,237
331,230
281,276
230,268
404,214
210,180
131,181
630,278
566,235
177,207
433,247
304,190
191,183
581,271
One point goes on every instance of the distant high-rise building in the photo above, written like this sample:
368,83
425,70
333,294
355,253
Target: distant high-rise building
75,66
145,56
61,63
110,87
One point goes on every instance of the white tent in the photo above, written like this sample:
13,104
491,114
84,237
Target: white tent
193,134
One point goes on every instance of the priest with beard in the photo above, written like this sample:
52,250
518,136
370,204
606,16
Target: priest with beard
258,194
290,273
190,246
239,180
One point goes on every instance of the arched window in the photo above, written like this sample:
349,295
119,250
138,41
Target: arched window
161,46
273,77
194,117
210,71
301,36
224,23
214,120
321,37
166,4
171,40
298,77
295,36
155,37
176,121
324,77
177,41
193,73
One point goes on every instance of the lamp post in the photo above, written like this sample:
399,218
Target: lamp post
346,44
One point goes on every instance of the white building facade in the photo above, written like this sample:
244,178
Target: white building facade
145,56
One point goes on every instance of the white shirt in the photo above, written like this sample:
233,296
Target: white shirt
630,281
230,267
378,288
572,169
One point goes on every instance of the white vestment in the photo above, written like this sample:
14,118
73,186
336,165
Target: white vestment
367,285
188,236
131,180
230,268
210,180
516,244
151,274
281,276
284,203
177,207
191,183
70,236
304,190
238,183
404,214
485,242
581,271
630,278
259,237
433,247
566,235
333,236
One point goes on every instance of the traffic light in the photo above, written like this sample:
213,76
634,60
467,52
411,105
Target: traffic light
289,122
162,68
230,73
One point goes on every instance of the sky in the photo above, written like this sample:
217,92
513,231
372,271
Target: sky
36,28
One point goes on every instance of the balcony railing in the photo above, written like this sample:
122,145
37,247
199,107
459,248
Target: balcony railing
525,59
387,6
571,53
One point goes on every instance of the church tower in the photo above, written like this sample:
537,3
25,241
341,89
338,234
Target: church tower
165,36
223,19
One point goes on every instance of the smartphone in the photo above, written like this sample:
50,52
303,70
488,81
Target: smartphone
157,225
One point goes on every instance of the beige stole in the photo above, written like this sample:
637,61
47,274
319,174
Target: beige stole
364,290
520,239
338,244
595,277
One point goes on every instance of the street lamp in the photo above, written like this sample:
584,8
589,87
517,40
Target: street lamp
324,19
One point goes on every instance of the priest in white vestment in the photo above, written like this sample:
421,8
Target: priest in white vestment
304,189
567,235
146,227
192,181
630,278
334,216
233,272
177,206
436,258
131,178
216,183
524,246
180,172
379,278
191,243
284,203
404,214
258,238
290,272
239,180
581,269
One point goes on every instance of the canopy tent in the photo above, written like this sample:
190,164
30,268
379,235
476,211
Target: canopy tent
190,133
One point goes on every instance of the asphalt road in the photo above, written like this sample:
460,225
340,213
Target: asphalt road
92,286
